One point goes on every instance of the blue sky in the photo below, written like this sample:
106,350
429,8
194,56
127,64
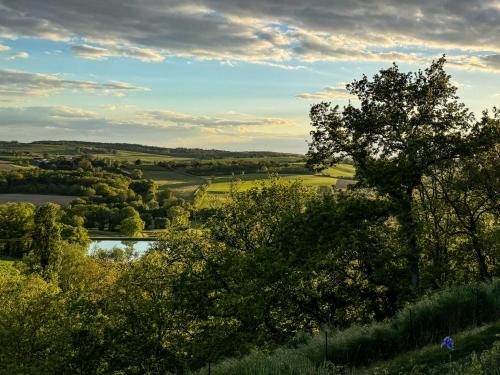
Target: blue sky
216,74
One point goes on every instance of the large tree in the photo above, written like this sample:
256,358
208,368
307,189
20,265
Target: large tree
404,124
47,239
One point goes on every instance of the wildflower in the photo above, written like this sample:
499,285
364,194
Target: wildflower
447,343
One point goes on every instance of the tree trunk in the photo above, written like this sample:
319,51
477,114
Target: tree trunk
481,260
409,230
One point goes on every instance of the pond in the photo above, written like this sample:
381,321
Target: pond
138,247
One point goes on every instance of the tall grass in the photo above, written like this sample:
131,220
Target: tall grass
425,322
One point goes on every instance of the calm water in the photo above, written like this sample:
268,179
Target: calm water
139,246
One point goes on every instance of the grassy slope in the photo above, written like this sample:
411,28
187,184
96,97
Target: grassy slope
434,357
431,359
389,347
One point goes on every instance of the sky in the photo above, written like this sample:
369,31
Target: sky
233,75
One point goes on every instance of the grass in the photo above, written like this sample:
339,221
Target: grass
434,356
326,178
409,339
223,184
340,170
7,264
182,184
37,199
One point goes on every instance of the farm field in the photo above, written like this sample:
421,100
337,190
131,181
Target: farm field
131,156
6,166
37,199
222,185
327,178
182,184
340,170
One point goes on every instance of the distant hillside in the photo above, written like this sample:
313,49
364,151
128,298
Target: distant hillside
183,152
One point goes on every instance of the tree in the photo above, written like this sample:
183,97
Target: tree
137,174
250,219
132,226
85,164
470,189
46,247
178,216
16,228
340,261
127,212
405,124
35,331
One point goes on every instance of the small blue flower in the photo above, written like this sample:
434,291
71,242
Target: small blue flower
448,343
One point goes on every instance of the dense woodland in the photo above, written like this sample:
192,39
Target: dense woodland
273,263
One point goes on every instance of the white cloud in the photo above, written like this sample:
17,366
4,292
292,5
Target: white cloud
15,83
488,63
169,119
4,48
261,31
98,53
19,55
328,93
70,113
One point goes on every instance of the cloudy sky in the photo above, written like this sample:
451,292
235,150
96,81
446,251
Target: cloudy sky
234,74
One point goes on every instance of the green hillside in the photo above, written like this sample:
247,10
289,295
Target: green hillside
409,343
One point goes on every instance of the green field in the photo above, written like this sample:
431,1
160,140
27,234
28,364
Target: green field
181,184
131,156
340,170
222,185
184,184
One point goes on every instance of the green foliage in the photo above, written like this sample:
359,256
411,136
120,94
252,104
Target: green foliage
178,217
39,230
406,124
46,249
17,224
34,331
250,219
132,226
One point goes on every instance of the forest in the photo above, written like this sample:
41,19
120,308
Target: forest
283,277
